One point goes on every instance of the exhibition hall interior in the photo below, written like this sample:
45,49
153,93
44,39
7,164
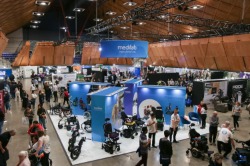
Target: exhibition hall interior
124,82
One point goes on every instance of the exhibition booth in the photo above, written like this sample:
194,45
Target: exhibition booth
78,95
109,102
161,98
130,95
207,90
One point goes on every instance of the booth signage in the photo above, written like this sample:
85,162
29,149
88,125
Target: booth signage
124,49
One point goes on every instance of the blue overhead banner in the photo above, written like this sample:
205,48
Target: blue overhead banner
124,49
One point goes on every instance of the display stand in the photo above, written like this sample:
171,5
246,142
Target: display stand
161,98
78,95
106,103
130,96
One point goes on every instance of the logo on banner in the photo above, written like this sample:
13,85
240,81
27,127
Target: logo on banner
98,108
127,49
127,91
238,86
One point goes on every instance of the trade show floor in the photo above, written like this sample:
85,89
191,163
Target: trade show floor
92,150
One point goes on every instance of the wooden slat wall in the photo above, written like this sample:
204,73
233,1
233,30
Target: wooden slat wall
43,54
64,54
3,42
22,58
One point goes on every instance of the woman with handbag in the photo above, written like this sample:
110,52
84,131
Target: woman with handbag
166,150
44,145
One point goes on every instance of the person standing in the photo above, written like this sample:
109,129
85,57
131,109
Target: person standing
6,100
143,147
55,92
2,118
236,111
33,99
175,119
41,98
23,159
152,128
42,116
29,114
33,87
166,150
203,116
17,95
66,97
213,127
225,139
4,140
43,144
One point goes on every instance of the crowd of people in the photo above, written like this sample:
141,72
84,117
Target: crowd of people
36,126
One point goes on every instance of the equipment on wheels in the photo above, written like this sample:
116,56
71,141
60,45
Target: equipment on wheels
199,147
241,156
129,126
111,138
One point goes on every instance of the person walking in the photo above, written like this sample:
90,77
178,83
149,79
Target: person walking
213,127
166,150
143,147
42,116
4,140
175,119
43,144
236,111
225,139
2,118
203,116
55,92
152,128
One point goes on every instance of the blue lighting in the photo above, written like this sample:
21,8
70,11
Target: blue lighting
161,91
145,89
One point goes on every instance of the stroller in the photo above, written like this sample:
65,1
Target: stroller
160,118
199,147
111,138
130,130
241,156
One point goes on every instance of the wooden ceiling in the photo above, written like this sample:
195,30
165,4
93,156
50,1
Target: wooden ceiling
16,13
224,10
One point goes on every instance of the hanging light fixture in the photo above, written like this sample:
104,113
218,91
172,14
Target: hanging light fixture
130,3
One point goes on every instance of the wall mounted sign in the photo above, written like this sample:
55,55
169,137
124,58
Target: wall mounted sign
124,49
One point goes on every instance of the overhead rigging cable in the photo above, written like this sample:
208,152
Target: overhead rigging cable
64,18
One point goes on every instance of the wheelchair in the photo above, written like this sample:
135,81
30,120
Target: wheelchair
198,145
111,138
129,126
241,156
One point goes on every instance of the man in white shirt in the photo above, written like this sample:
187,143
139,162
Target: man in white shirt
33,99
225,138
55,90
174,122
152,128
